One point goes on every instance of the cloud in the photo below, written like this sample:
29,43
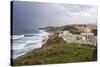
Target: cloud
34,14
80,12
61,14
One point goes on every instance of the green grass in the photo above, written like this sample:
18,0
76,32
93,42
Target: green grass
56,51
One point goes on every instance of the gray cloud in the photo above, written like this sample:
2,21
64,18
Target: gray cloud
34,14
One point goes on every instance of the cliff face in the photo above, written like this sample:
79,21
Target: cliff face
55,50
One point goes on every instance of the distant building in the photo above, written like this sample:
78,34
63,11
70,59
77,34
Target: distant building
88,37
87,30
85,37
86,34
67,36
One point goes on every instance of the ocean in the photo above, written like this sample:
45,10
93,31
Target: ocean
23,43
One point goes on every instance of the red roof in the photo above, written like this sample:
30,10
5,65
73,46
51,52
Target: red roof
87,30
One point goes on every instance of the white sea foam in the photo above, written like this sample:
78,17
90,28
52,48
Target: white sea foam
17,36
27,42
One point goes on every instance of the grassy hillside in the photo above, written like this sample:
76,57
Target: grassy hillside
55,50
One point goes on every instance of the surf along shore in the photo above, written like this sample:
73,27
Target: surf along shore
56,50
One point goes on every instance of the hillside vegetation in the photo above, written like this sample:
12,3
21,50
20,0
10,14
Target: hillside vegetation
54,51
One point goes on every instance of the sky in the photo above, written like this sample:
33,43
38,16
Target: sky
38,14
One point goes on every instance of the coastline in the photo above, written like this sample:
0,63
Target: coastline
55,50
44,37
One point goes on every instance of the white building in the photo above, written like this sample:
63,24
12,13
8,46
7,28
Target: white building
67,36
85,37
87,34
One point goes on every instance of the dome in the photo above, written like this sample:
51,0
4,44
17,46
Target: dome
87,30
